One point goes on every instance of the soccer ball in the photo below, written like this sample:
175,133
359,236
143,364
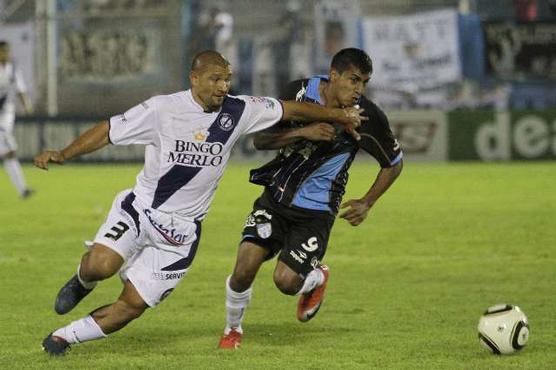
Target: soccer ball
503,329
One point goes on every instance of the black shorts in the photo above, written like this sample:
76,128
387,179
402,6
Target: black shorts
300,236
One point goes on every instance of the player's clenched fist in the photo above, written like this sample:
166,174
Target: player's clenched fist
41,160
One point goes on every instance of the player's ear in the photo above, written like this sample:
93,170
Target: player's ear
334,75
193,78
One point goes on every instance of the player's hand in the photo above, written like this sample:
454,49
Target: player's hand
41,160
318,131
357,211
352,118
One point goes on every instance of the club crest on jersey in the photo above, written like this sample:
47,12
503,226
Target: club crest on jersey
201,135
226,121
264,230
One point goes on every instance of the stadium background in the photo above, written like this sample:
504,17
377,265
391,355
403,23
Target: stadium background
461,80
463,83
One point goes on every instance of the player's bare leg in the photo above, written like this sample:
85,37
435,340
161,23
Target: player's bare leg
13,168
311,289
99,263
250,257
99,324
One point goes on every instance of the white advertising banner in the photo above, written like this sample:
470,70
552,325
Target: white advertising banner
413,52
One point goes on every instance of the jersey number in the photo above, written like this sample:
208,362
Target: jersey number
312,244
119,229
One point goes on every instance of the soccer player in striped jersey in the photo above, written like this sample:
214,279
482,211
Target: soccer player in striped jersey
303,191
152,231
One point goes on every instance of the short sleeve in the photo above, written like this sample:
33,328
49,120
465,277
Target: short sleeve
263,113
377,138
135,126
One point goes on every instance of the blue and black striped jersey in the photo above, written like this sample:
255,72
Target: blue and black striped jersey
312,175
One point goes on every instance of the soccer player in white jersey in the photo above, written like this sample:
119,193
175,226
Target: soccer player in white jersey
11,84
152,232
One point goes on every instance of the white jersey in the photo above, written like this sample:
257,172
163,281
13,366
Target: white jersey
11,82
186,148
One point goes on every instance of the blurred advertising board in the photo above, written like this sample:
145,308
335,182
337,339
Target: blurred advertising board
502,136
521,51
422,134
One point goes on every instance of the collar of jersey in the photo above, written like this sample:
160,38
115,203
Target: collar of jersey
313,87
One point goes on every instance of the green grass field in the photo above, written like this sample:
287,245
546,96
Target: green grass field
406,290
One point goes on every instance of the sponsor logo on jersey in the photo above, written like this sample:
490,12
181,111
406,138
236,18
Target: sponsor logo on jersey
226,121
315,262
396,145
296,256
268,103
168,275
300,94
196,154
169,233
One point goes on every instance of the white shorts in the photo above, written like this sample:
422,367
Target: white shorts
7,142
157,248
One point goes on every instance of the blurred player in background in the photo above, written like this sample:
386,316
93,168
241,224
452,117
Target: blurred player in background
11,84
152,232
304,186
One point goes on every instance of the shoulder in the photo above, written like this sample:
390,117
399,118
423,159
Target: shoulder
372,110
165,102
294,90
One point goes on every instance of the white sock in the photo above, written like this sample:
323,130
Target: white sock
13,168
236,303
86,284
313,280
80,331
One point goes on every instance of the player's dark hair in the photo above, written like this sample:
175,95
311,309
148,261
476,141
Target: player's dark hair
352,57
3,43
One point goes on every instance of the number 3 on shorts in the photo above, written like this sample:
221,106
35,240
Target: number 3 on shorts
118,230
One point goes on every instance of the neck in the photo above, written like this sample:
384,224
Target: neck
200,102
326,95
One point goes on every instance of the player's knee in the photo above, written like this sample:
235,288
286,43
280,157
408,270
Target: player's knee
240,281
287,283
99,264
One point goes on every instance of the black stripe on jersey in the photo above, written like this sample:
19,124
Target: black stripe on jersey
185,262
127,205
220,131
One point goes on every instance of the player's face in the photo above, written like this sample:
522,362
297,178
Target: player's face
349,85
211,85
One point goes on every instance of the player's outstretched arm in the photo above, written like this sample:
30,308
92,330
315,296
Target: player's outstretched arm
91,140
308,112
272,139
358,209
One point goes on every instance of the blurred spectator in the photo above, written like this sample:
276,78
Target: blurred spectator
525,10
287,34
